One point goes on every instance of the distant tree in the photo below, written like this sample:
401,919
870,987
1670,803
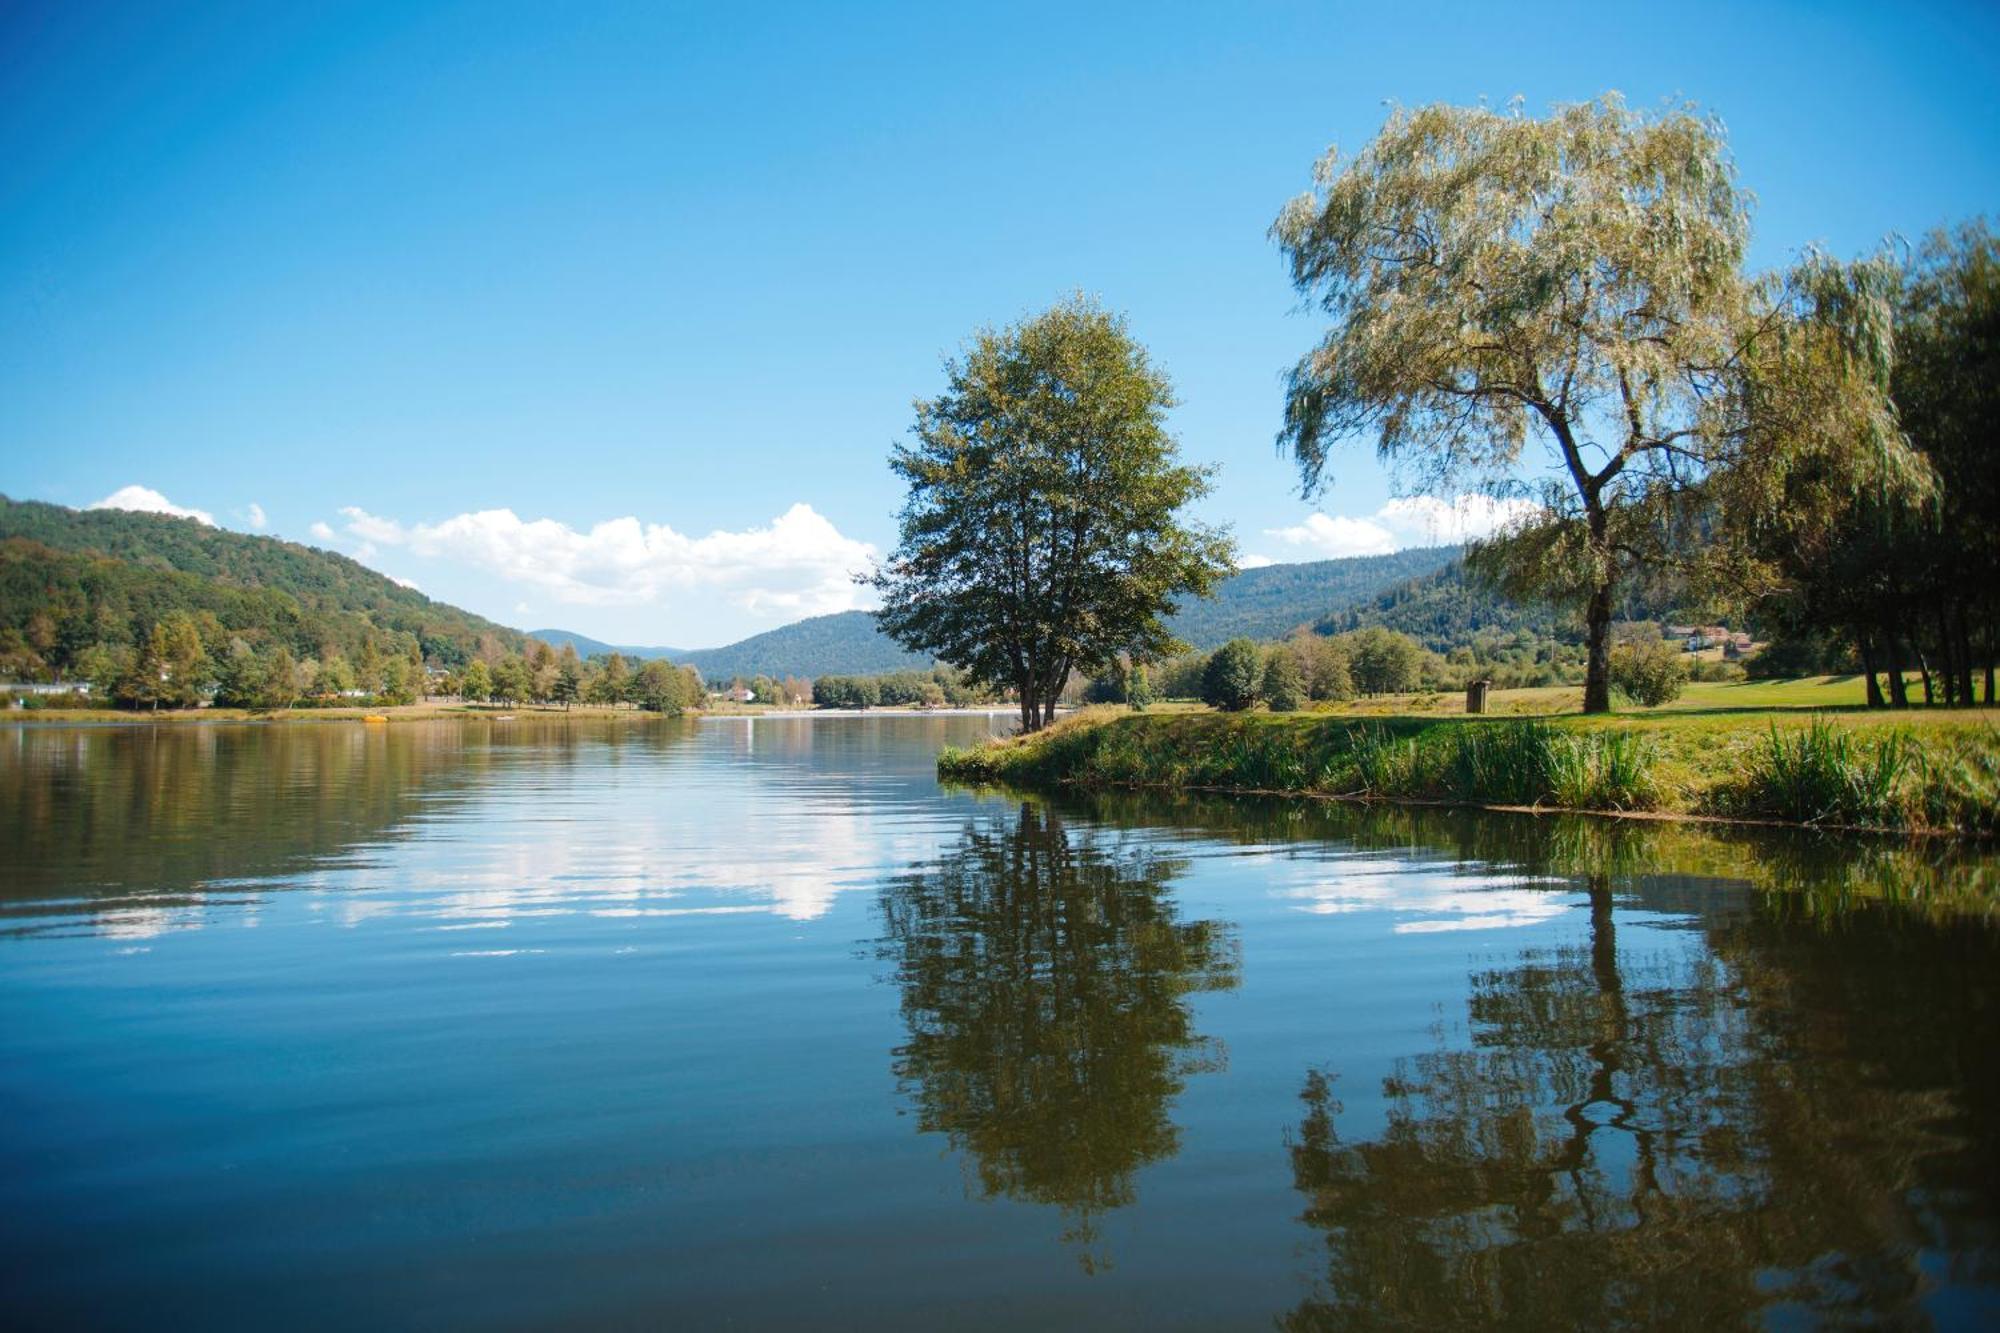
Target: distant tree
393,681
475,683
1233,676
541,663
1382,661
239,677
512,680
658,687
614,682
104,667
280,685
1324,661
1139,688
1579,279
1180,677
568,683
1042,532
1284,681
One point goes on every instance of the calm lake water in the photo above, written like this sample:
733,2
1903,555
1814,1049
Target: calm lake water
701,1023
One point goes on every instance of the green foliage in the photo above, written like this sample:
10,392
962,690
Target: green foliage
1284,681
475,683
1383,661
1139,688
1042,533
660,687
1233,676
1650,672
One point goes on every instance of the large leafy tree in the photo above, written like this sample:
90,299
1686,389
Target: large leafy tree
1496,280
1043,531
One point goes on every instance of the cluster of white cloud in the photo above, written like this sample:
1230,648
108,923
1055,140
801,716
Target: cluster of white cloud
1421,520
798,565
146,500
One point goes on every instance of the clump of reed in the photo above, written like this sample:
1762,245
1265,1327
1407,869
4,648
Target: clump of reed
1825,774
1501,763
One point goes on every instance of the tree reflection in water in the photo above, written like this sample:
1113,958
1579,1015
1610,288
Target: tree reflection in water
1717,1136
1045,980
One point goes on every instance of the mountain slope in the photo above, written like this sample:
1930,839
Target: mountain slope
72,578
1260,603
1270,602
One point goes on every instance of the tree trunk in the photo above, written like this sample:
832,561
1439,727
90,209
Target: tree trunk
1899,690
1867,651
1597,674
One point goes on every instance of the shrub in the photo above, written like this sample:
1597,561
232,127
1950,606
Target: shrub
1650,673
1232,677
1284,682
1139,688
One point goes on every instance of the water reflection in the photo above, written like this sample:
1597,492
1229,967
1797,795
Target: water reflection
1045,976
1701,1137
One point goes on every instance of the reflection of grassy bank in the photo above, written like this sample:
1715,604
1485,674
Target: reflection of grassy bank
1913,773
1825,876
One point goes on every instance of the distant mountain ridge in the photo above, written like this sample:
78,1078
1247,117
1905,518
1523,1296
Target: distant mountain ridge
1262,603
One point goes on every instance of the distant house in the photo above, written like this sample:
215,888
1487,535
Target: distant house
42,687
1736,646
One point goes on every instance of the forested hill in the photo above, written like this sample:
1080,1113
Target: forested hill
71,579
1270,602
1448,608
843,644
1261,603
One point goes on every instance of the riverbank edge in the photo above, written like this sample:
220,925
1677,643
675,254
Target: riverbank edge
1686,769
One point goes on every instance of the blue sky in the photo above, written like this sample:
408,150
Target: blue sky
458,288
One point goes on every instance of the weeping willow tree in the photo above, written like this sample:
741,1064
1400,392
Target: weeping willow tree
1573,283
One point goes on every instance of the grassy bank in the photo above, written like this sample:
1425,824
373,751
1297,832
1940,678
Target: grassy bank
1922,773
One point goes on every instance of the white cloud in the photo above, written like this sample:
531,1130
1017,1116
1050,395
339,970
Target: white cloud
145,500
1328,536
1448,522
254,516
1421,520
321,532
798,565
403,583
1254,561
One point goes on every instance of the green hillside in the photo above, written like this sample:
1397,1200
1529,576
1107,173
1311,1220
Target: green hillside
1261,603
1270,602
1447,608
71,580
